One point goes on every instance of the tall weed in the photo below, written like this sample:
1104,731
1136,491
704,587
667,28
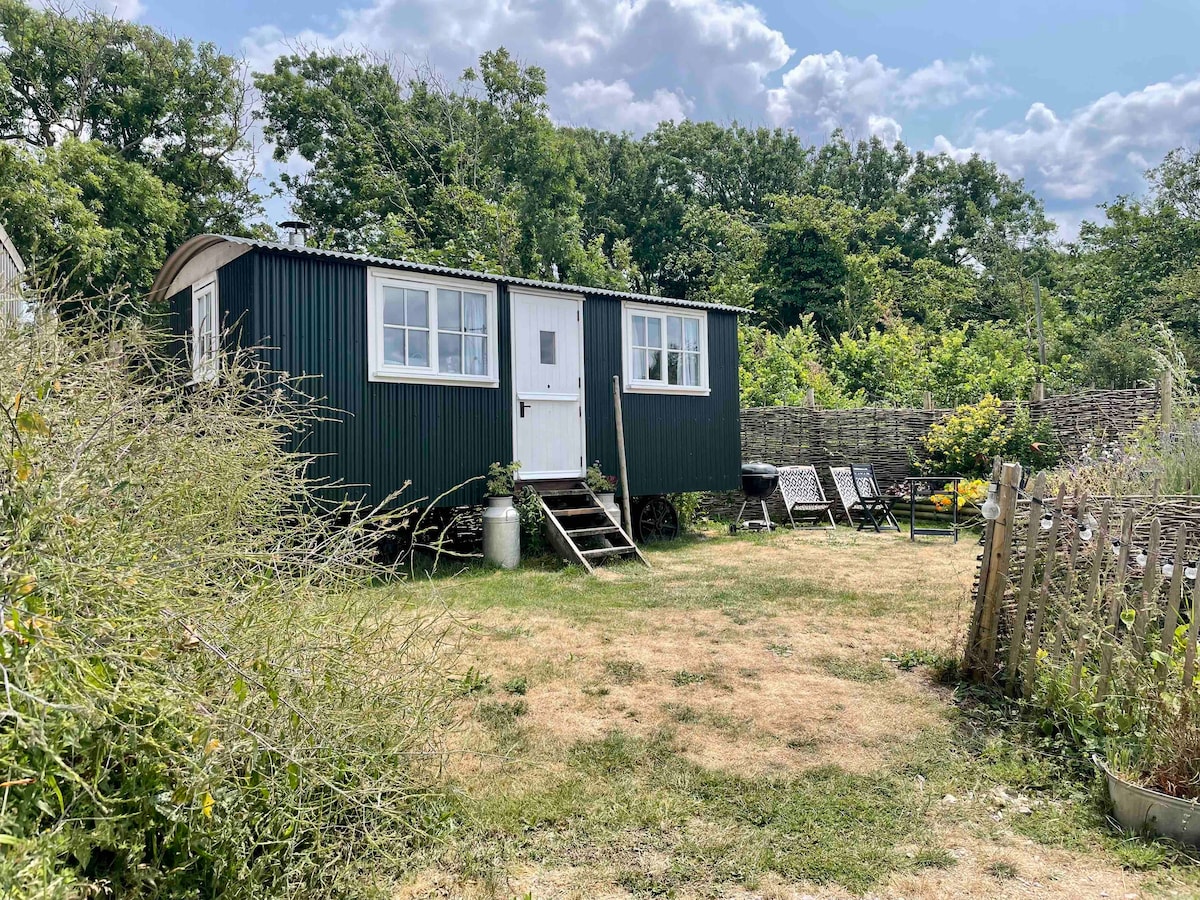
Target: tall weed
198,700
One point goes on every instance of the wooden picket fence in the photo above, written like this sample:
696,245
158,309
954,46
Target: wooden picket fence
1074,589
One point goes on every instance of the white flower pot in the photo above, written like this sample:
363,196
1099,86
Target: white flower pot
608,499
501,533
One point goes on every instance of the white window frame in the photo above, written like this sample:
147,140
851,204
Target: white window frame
645,386
378,370
206,348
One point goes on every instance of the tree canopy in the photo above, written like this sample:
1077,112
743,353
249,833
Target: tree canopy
118,142
872,272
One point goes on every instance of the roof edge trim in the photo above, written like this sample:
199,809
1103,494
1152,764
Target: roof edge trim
186,251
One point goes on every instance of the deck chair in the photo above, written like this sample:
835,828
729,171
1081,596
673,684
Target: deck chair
876,506
803,495
858,511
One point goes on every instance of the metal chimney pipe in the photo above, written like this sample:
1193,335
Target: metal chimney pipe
297,232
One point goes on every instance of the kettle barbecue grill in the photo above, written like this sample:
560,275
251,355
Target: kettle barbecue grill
759,481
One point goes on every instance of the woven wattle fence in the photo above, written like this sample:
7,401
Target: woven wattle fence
889,438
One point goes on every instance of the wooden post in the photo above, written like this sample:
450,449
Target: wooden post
1091,603
1039,617
984,558
929,400
1038,394
1165,399
1116,600
1037,303
1080,507
1148,597
621,456
1033,527
1189,649
1167,642
982,656
810,398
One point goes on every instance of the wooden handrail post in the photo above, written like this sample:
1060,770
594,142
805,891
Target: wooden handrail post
625,507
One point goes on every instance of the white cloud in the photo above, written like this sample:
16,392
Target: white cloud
1097,149
831,90
710,56
616,104
120,9
628,64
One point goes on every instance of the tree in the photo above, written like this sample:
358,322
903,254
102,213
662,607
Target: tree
125,139
778,369
475,175
88,220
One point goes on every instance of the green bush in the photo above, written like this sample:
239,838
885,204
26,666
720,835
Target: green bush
966,442
200,700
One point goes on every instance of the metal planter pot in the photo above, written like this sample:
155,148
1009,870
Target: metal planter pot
1142,810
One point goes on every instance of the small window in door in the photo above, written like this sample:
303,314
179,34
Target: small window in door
548,347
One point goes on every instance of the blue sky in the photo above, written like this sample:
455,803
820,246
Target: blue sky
1077,98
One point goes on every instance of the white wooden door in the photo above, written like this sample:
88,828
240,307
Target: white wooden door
547,342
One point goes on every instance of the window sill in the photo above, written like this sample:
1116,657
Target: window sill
392,376
649,387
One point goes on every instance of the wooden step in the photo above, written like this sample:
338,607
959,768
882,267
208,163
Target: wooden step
590,511
608,551
592,532
572,492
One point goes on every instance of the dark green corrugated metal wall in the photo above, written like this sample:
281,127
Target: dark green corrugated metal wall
311,314
672,442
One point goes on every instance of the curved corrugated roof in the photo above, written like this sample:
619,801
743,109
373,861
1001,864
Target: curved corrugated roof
187,250
11,250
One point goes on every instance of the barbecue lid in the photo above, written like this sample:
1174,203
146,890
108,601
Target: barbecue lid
759,468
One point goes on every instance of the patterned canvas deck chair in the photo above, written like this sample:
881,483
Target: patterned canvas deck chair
804,496
861,498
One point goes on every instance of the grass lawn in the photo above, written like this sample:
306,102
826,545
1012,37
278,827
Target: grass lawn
756,716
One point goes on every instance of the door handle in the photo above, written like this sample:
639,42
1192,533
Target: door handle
522,409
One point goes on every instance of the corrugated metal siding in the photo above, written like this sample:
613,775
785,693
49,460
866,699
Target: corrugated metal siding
10,285
235,292
310,314
672,442
235,295
179,319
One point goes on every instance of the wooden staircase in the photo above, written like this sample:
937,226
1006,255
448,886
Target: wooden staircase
579,528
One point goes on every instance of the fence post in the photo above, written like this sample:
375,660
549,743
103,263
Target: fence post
981,579
929,401
1165,399
1039,617
1109,632
1038,394
810,398
1013,668
1174,597
981,652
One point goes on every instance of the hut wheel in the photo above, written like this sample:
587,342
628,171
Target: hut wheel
657,520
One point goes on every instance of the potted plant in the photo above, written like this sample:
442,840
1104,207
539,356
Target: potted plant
1153,776
603,486
501,521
